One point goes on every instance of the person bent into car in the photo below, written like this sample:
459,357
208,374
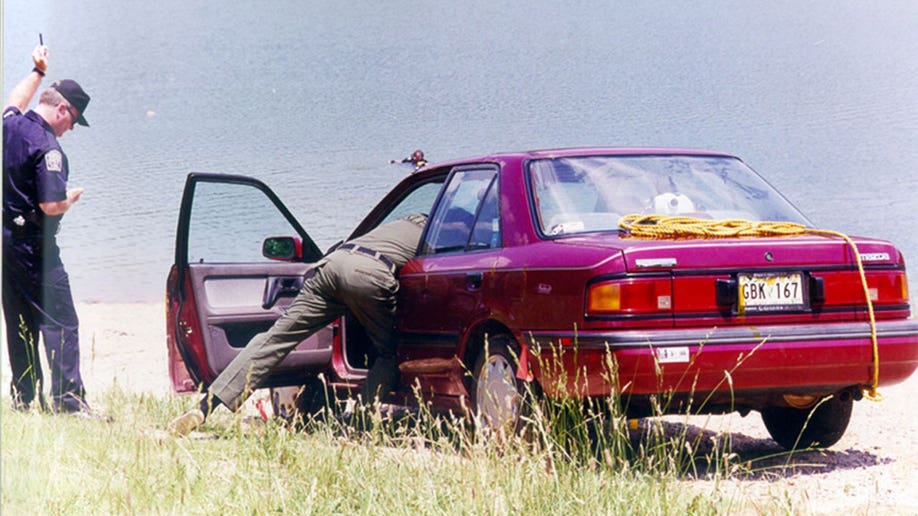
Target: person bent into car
359,278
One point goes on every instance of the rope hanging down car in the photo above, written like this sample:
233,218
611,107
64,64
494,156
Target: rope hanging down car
662,226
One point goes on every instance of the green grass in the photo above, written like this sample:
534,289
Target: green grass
63,465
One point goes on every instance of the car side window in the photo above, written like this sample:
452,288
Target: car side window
486,233
419,200
466,195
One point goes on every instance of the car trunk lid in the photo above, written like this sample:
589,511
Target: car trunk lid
771,280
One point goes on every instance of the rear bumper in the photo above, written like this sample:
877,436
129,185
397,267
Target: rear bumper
755,361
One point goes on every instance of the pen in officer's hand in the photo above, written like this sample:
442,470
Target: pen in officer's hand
40,40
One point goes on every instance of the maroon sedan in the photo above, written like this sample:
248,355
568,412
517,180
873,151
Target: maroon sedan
524,274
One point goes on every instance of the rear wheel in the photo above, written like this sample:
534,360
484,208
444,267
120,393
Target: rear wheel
498,396
820,426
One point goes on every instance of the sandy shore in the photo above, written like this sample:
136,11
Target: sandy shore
120,343
874,468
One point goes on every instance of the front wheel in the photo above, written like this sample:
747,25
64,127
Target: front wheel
497,394
797,429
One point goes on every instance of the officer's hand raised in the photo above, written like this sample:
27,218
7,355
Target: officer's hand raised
40,57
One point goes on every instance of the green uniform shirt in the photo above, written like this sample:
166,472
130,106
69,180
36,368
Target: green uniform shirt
398,240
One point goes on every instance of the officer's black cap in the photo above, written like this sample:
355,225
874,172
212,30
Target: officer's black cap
75,95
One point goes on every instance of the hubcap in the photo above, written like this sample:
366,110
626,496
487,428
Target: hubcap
497,398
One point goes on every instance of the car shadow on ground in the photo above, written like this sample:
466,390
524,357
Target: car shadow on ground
708,453
752,458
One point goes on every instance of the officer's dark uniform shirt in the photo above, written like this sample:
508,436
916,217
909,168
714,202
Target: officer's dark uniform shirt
34,171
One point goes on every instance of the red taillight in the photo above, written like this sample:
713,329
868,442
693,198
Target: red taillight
630,296
885,288
888,288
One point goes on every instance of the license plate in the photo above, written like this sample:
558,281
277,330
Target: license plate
766,291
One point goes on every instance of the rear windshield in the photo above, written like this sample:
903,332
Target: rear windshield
591,193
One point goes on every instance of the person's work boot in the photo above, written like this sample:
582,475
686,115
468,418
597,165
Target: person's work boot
186,423
382,377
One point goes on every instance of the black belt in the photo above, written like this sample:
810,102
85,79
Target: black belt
369,252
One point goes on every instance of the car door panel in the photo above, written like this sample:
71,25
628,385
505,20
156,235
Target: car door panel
231,312
428,347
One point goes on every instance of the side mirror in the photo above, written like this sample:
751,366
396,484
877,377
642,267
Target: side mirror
284,249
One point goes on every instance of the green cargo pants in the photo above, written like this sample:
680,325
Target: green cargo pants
344,282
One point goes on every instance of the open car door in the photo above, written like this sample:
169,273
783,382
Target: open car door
223,289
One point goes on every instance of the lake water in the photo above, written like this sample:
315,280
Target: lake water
314,98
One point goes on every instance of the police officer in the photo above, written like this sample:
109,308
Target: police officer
36,289
358,277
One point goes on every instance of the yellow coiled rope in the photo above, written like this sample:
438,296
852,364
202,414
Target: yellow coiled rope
675,227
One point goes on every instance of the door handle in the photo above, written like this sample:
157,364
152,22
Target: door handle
278,287
473,280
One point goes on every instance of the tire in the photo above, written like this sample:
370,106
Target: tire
789,426
498,397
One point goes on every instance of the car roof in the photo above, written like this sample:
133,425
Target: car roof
579,151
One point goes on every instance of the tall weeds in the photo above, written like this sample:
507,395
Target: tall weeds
571,456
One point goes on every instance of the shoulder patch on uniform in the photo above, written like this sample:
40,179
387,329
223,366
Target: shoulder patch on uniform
54,161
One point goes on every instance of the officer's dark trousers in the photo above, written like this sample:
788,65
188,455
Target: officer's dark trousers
346,283
37,299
